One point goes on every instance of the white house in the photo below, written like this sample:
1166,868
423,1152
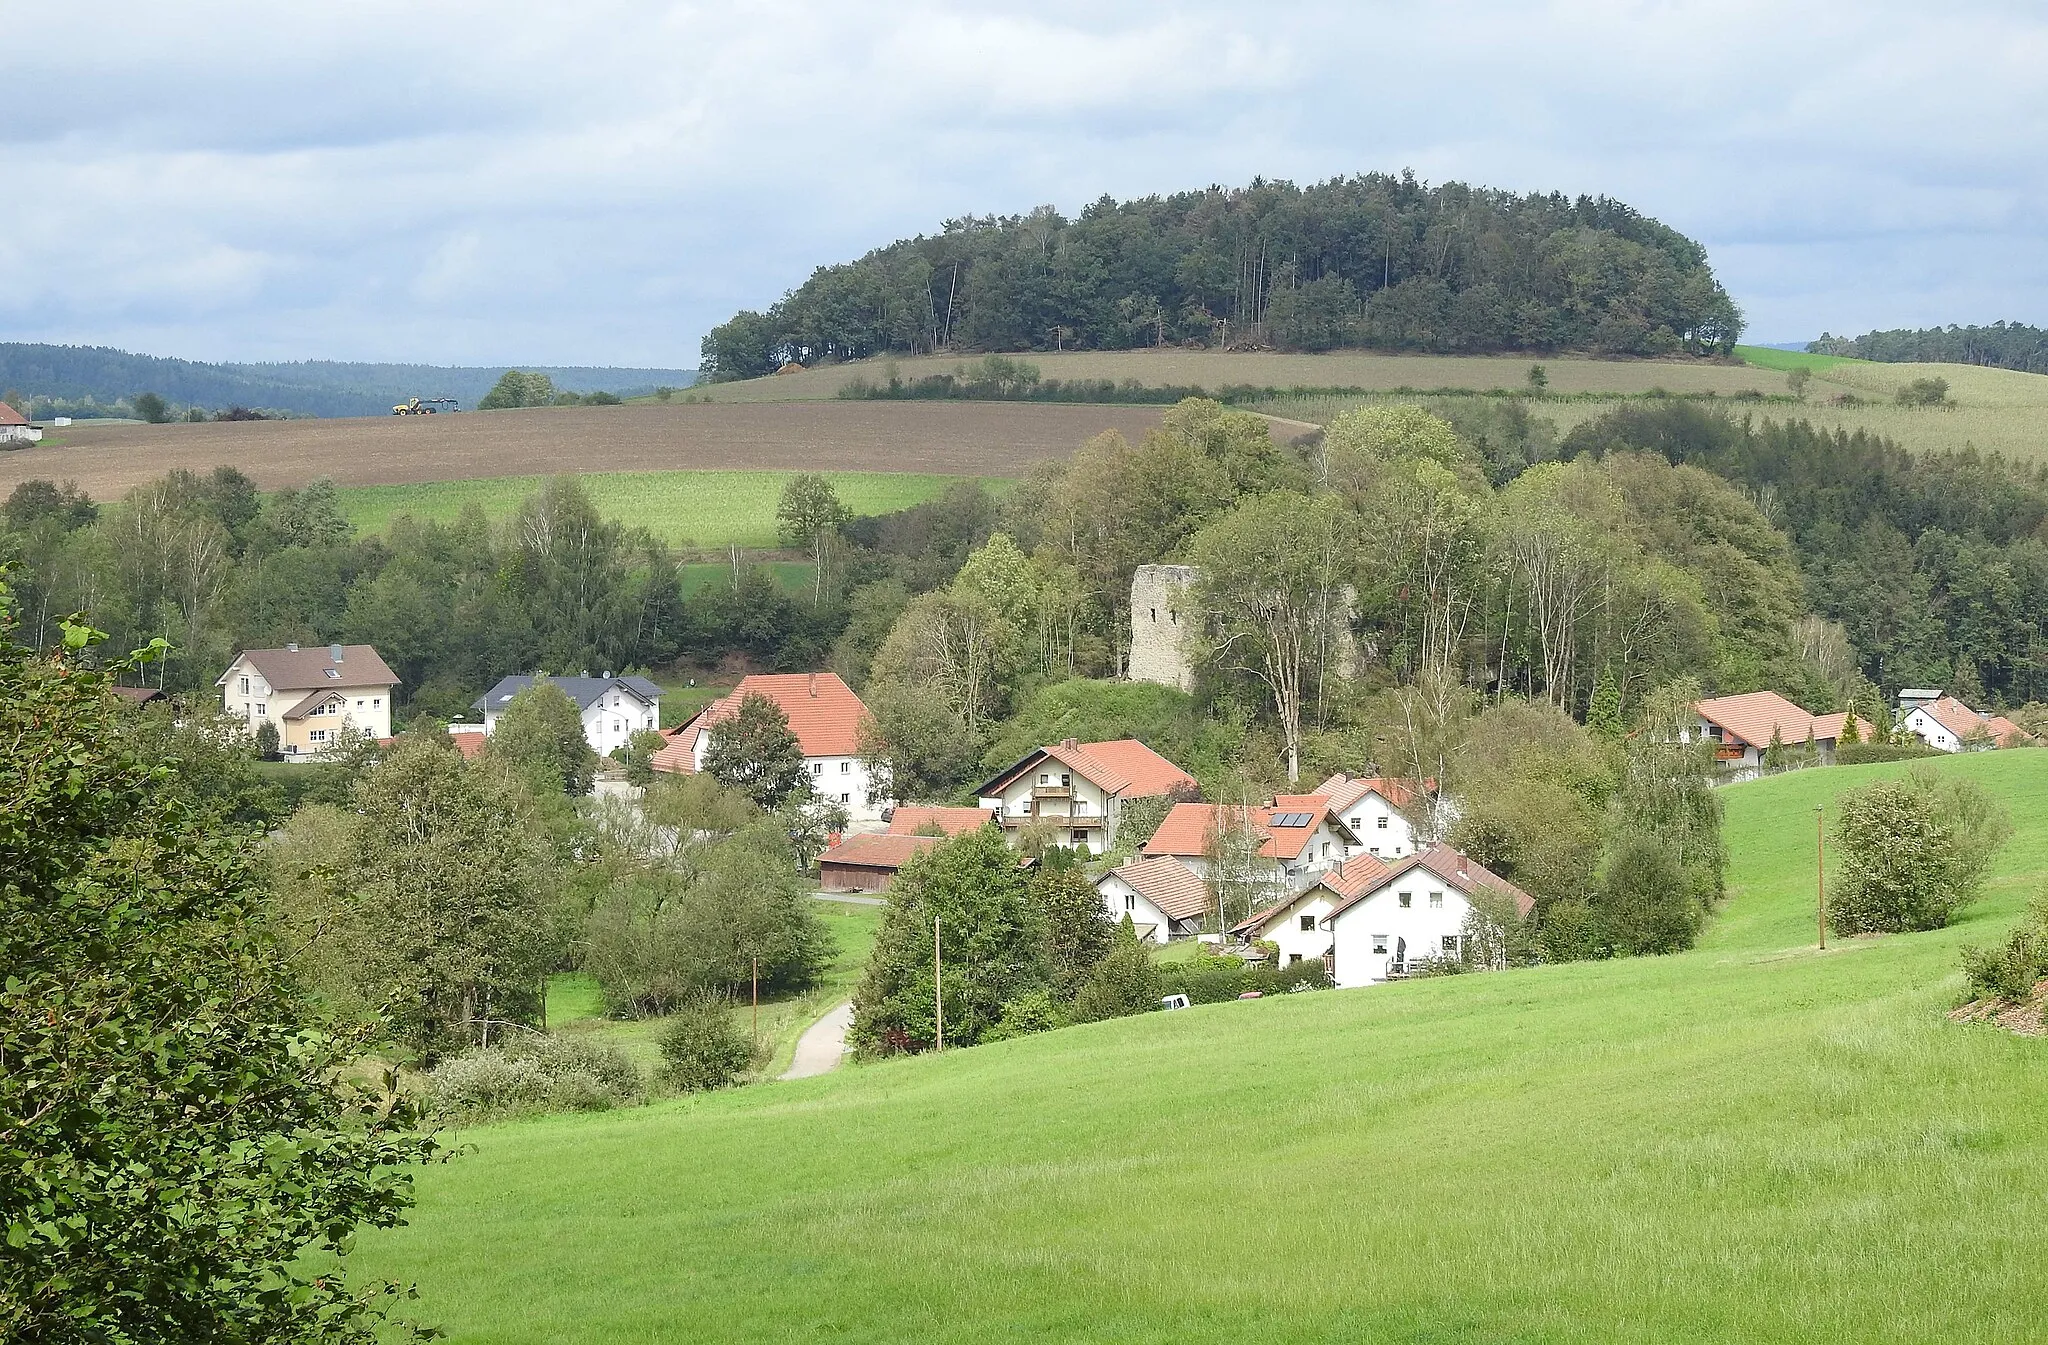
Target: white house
825,716
1163,897
1295,926
1416,910
15,429
1385,815
313,697
1080,789
1299,835
613,709
1947,725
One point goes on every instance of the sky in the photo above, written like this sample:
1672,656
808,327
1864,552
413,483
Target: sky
600,183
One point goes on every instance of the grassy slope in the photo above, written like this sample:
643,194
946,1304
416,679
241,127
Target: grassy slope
1751,1142
1784,361
709,508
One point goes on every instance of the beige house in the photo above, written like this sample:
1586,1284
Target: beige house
311,695
1078,789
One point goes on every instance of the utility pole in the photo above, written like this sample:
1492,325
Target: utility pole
938,992
757,999
1820,872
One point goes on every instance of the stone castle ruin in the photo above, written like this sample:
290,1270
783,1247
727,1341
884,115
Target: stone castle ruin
1158,645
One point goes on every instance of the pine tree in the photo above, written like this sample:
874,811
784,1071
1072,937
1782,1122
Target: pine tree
1603,715
1850,732
1774,754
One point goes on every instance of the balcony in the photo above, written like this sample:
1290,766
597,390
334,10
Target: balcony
1052,791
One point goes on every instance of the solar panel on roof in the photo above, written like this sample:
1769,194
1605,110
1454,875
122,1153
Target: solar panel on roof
1293,819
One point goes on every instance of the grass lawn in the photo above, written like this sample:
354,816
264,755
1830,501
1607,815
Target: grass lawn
1785,361
576,1005
691,508
1751,1142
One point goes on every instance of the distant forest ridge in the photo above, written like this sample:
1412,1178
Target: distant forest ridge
1373,262
2002,345
96,380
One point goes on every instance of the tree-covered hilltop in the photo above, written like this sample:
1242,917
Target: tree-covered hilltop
2002,345
1375,261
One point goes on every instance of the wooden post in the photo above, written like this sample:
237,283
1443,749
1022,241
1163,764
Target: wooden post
938,992
1820,872
757,999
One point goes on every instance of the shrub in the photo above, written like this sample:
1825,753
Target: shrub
1867,754
703,1047
1124,982
1033,1012
1914,851
533,1073
1923,392
2010,970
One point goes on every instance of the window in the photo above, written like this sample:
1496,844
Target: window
334,673
1044,779
1293,958
846,798
1130,902
359,702
1383,824
1436,901
1155,614
845,766
1308,924
245,686
1375,849
1407,899
618,726
376,702
1326,849
817,768
1379,943
1450,943
318,735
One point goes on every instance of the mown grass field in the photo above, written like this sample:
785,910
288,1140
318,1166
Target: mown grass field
1751,1142
693,508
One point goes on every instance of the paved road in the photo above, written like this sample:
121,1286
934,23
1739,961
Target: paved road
823,1044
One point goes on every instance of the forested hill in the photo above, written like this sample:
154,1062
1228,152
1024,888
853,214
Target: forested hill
97,380
2002,345
1373,261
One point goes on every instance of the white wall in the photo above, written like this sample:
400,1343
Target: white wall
1284,930
368,710
1381,829
843,780
1089,803
609,722
1119,898
1928,730
1364,959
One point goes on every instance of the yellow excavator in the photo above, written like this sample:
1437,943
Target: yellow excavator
419,406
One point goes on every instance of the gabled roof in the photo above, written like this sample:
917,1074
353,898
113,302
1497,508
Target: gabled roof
1122,768
878,850
2003,731
1188,826
822,710
1344,791
1360,873
1454,867
319,696
134,695
908,819
1954,716
1750,718
585,691
10,416
306,668
1167,883
1831,726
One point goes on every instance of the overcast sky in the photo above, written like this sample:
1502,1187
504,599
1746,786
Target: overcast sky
598,183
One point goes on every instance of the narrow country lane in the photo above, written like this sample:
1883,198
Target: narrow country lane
823,1044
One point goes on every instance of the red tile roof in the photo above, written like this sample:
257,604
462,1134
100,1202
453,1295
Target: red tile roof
1456,869
1122,768
470,744
2006,733
1954,716
1168,884
10,416
822,711
908,819
878,850
1361,873
1188,826
1344,790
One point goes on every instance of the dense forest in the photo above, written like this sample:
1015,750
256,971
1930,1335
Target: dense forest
88,381
2002,345
1373,261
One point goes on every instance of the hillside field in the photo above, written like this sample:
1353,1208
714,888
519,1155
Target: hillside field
1751,1142
684,509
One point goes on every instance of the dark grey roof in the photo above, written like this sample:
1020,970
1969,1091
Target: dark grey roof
585,691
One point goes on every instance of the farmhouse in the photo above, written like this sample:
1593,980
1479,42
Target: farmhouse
869,863
1298,834
311,696
1947,725
1384,814
1079,789
613,709
1416,910
1295,926
825,716
15,429
1164,898
1743,727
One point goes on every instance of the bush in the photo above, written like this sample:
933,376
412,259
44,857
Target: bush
1913,851
1124,982
1210,979
704,1048
1033,1012
1868,754
2010,970
534,1073
1923,392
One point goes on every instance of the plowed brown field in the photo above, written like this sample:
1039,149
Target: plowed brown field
955,438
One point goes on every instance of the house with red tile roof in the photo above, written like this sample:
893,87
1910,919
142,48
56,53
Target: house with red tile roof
1741,728
825,716
1163,897
1386,814
913,819
1947,725
1415,910
15,428
1295,926
1299,834
869,863
1079,789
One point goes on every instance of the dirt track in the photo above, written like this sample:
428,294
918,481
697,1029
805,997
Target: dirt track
967,438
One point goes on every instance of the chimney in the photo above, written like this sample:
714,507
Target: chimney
1070,743
334,653
812,685
291,646
1463,864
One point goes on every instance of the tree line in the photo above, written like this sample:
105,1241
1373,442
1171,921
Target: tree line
1374,261
2002,345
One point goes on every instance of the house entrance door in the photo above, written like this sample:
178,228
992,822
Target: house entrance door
1400,963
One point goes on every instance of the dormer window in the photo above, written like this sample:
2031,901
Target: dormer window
334,673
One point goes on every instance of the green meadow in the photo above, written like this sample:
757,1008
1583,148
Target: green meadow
1751,1142
1785,361
685,508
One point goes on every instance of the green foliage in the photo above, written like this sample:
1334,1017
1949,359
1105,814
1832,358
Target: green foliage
1078,932
703,1048
1539,378
913,744
533,1072
991,932
178,1160
637,755
1210,979
267,741
755,753
516,388
1124,982
152,408
1645,902
1912,852
1923,392
2011,970
540,736
808,509
1168,720
1034,1011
